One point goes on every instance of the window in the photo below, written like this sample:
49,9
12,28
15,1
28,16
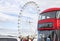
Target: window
45,25
43,17
58,14
47,15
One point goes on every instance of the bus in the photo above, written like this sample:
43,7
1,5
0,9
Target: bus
49,25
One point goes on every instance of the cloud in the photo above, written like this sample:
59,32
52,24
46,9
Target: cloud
6,31
48,4
14,6
8,22
9,7
5,18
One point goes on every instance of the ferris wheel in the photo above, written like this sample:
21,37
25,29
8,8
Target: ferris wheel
27,14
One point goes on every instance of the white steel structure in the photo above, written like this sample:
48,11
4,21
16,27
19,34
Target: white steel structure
27,19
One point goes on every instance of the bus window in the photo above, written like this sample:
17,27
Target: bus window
43,17
39,17
45,25
58,14
47,15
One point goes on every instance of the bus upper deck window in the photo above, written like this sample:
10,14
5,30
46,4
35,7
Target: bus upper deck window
58,14
48,17
39,17
43,17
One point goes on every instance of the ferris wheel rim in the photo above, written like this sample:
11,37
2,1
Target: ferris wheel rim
27,4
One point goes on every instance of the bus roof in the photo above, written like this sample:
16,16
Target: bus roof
51,9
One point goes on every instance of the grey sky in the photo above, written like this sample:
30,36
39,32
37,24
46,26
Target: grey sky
9,10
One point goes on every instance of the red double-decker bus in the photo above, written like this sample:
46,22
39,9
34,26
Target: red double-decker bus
49,25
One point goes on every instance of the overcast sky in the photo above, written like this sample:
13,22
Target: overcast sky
9,10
